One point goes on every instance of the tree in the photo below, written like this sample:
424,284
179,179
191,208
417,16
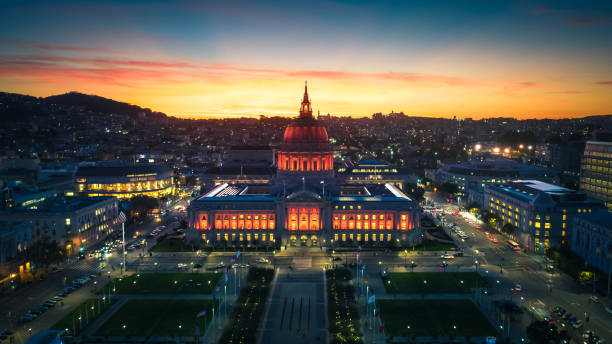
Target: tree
44,252
142,204
586,277
414,191
508,228
540,332
449,188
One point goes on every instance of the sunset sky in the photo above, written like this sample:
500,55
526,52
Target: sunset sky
432,58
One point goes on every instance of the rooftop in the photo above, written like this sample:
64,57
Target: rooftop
121,170
601,217
492,167
59,205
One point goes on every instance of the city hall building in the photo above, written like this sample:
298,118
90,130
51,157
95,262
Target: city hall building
305,204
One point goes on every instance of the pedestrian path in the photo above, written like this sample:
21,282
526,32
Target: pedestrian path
297,309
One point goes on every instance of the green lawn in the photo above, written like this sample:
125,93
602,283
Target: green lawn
407,318
88,311
432,282
165,283
157,318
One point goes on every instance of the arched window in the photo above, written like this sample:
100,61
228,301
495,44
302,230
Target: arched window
295,165
324,164
315,165
305,165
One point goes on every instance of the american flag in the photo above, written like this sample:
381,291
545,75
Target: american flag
122,218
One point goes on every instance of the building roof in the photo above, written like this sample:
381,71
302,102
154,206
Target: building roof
542,193
121,170
241,170
373,166
59,205
493,167
601,218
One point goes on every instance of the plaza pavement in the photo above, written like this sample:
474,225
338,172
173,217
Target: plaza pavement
297,310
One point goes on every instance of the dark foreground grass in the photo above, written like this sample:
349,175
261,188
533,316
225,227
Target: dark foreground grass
408,318
165,283
432,282
158,318
83,315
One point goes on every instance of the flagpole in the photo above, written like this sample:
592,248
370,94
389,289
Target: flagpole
123,235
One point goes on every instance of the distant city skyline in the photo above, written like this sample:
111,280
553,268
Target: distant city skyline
201,59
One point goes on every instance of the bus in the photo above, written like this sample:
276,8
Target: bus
513,245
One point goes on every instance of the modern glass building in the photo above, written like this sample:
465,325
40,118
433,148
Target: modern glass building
596,171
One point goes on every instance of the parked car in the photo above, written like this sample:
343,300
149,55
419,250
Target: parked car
594,299
27,318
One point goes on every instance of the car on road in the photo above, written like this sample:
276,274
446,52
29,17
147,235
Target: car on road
559,310
202,255
609,310
182,266
262,260
220,265
458,254
197,265
577,324
517,288
447,256
27,318
443,265
594,299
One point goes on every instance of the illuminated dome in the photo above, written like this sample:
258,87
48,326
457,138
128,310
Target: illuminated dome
305,146
305,130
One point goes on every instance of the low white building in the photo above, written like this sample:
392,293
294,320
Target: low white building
592,239
540,213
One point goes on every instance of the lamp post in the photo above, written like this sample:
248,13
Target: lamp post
405,257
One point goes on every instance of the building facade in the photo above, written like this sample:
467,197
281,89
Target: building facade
472,177
370,171
596,171
76,223
592,239
540,213
15,238
125,181
304,205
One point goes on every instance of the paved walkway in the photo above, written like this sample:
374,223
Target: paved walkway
297,309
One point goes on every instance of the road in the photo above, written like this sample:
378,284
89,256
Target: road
13,306
496,262
539,286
